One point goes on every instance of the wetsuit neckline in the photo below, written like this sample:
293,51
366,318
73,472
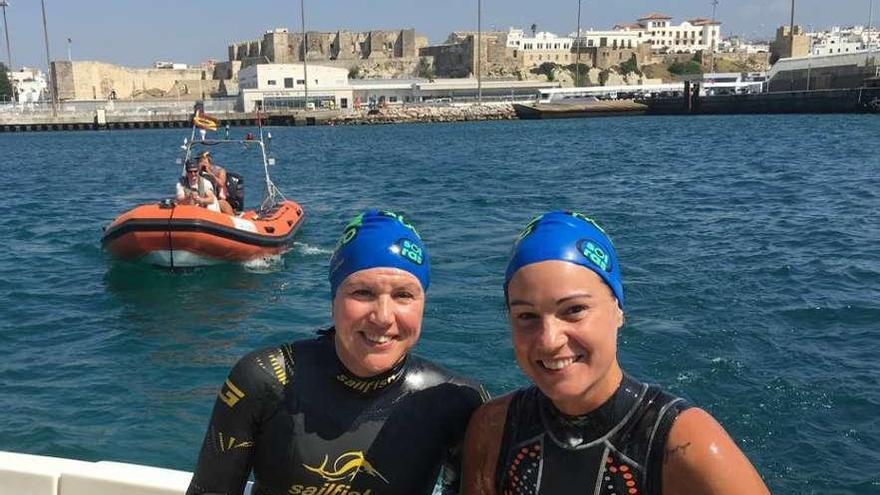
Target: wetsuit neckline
583,431
359,384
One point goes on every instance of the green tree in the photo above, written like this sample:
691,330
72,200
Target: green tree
631,65
5,85
547,68
685,68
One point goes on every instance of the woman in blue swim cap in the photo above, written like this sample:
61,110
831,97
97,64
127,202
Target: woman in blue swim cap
585,426
352,411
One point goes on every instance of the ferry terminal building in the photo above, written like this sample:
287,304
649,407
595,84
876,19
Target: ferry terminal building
276,86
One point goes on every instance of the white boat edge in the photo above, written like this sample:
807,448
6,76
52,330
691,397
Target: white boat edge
29,474
182,259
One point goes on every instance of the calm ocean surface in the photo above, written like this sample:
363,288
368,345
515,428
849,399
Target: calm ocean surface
750,249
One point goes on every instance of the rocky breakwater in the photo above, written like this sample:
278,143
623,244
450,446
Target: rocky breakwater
424,113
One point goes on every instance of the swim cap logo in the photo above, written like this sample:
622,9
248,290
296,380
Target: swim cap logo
408,250
350,231
581,216
529,228
593,252
346,467
402,221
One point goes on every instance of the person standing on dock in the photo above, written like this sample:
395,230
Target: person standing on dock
586,426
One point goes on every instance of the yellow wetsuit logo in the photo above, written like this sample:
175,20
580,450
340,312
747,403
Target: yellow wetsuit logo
230,394
339,476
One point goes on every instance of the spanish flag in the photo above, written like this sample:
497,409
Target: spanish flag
203,120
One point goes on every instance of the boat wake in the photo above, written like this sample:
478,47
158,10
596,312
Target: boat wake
268,264
309,250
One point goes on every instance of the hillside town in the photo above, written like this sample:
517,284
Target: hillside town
343,70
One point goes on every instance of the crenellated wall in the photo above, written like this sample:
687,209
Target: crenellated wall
281,46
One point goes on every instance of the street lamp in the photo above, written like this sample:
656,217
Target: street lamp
791,33
577,58
712,39
870,26
49,62
480,51
305,50
4,4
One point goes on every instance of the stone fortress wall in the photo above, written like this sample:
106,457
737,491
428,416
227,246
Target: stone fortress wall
86,80
284,47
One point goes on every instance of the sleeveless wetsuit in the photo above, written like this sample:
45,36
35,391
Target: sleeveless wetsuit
307,426
616,449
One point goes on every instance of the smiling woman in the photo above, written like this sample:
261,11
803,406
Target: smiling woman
586,426
351,411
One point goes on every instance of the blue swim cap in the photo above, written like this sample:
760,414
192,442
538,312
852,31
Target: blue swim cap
567,236
378,238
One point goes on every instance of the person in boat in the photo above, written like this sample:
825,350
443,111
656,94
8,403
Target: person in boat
193,189
351,411
586,426
217,175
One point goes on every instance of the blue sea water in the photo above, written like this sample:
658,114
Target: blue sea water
750,248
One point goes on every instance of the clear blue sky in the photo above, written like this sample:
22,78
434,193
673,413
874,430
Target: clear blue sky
137,33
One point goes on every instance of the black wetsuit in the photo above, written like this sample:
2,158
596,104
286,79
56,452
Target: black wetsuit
616,449
307,426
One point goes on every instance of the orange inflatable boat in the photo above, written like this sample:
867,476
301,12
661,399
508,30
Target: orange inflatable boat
179,236
174,235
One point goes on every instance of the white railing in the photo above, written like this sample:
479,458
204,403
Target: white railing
119,107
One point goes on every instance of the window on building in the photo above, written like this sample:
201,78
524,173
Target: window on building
392,99
343,102
540,46
271,82
301,81
288,82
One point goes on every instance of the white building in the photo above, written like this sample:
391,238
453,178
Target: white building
28,85
740,45
540,48
161,64
688,37
617,38
843,40
270,86
273,86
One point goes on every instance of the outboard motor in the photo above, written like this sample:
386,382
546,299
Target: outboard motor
235,191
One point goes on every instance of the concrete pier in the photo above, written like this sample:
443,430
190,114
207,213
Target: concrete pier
100,121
